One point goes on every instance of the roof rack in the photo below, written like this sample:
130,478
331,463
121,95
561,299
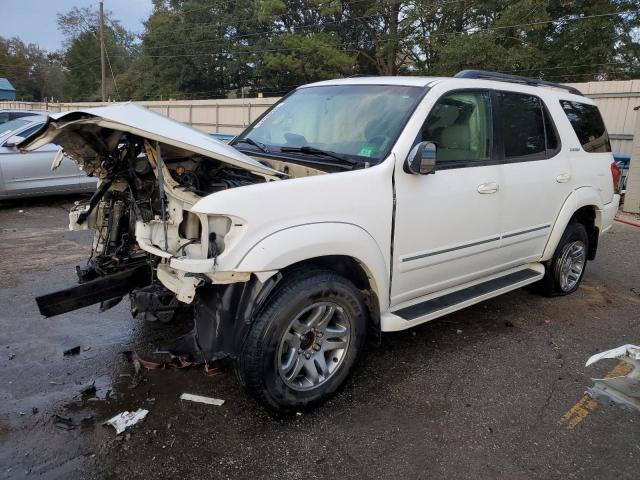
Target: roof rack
503,77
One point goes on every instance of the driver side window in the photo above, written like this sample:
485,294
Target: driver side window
460,126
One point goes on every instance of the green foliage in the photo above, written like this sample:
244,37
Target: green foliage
208,49
82,75
34,73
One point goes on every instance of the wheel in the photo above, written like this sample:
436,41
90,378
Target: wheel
304,342
566,268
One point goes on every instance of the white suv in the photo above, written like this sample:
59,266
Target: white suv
358,204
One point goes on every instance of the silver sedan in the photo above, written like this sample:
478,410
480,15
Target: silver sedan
30,174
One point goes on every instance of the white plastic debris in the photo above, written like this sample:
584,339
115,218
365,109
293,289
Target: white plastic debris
631,351
126,419
625,389
200,399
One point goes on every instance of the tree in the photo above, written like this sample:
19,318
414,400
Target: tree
33,72
81,60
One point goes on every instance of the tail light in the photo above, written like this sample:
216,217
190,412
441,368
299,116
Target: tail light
615,176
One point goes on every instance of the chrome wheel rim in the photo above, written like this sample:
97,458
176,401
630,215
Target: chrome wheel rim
571,264
314,346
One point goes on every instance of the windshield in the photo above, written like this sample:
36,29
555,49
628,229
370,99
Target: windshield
12,125
360,122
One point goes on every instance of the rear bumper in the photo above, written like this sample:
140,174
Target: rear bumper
609,212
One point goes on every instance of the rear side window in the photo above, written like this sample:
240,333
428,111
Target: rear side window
588,125
523,123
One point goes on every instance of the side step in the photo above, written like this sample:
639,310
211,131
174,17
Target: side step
443,303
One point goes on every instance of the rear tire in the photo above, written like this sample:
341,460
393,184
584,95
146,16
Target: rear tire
305,341
566,268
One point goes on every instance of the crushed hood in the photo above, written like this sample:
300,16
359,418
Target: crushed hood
88,135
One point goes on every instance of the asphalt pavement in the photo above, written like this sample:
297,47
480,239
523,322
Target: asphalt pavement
494,391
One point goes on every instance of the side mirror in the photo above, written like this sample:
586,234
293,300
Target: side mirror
13,141
421,159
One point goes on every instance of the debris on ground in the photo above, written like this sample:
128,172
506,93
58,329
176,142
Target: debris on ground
175,362
72,351
200,399
66,423
86,349
12,356
625,389
211,369
126,419
89,390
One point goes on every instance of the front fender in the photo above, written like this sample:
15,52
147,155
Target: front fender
295,244
581,197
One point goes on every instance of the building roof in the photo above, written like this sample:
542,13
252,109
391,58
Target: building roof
5,84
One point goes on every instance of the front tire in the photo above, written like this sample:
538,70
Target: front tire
305,341
566,268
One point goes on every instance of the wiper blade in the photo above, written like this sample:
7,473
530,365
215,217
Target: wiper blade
318,151
261,146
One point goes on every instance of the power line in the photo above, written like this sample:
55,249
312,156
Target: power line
226,40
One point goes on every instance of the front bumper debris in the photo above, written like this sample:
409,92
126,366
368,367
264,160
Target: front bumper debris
94,291
625,389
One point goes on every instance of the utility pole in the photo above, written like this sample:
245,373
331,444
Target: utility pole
102,61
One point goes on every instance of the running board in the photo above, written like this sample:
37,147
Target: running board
451,301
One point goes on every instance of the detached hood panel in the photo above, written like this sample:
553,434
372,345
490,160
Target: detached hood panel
90,135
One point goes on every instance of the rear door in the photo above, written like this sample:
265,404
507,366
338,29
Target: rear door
536,174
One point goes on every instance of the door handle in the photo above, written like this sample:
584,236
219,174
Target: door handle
489,187
563,178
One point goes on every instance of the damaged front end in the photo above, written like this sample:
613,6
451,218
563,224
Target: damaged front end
148,243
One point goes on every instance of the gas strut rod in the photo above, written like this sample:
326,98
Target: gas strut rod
159,166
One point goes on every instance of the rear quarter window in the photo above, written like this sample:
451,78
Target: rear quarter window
588,125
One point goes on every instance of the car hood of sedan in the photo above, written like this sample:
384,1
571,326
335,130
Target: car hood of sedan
89,135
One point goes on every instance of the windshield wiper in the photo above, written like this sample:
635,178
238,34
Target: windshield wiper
261,146
318,151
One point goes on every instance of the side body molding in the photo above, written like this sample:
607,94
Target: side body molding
581,197
295,244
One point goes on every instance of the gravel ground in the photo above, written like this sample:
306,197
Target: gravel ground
476,394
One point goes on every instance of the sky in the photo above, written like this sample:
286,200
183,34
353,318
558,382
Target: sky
34,21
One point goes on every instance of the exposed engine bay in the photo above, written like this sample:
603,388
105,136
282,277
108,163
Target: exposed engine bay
132,192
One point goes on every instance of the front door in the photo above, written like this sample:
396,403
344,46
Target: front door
447,224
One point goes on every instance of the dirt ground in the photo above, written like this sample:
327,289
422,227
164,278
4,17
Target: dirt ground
494,391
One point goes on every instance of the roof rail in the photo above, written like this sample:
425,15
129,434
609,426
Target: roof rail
503,77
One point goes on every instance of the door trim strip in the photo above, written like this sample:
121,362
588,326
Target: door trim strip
473,244
438,252
526,231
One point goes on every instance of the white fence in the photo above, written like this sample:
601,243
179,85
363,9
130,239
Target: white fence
225,116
